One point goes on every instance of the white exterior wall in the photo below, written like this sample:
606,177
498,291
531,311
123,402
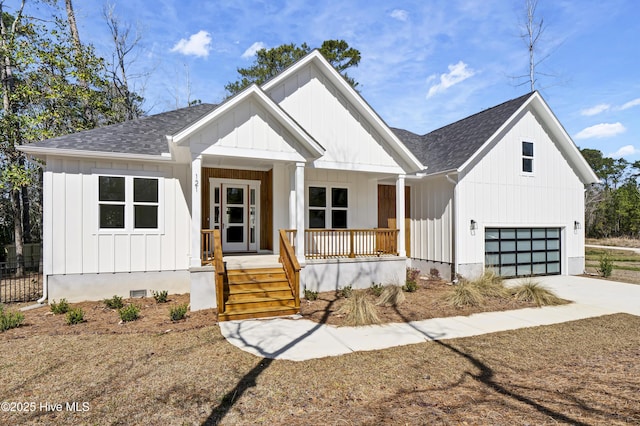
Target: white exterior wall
496,193
350,142
431,220
247,131
362,194
76,246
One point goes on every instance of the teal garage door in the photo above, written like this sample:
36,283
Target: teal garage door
522,252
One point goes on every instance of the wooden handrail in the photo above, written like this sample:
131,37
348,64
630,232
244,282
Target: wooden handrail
290,265
218,265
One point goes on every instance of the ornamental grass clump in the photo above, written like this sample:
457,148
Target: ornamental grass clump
532,291
392,295
465,293
491,284
358,310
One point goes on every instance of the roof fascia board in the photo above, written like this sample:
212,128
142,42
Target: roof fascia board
412,162
61,152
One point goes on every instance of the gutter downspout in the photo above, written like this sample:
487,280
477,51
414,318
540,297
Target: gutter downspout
454,218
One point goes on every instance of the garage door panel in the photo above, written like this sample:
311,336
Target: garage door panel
523,251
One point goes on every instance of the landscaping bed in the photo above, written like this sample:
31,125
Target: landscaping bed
428,301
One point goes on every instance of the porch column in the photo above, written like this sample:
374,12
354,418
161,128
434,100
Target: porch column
292,199
400,213
196,210
299,185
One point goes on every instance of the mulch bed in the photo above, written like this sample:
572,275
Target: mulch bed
425,303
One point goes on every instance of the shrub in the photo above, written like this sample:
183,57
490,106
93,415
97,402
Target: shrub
411,282
464,294
310,295
75,316
114,303
178,312
160,296
412,274
62,307
376,289
10,319
358,310
606,265
345,291
129,313
410,286
392,295
531,291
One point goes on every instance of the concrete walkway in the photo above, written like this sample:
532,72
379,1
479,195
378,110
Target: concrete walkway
301,339
633,249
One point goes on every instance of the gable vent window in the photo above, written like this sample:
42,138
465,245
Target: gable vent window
527,157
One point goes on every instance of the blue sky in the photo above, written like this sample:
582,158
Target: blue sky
424,63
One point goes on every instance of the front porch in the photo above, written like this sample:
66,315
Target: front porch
260,285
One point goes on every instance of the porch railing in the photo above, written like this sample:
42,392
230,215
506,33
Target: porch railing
206,246
290,265
350,243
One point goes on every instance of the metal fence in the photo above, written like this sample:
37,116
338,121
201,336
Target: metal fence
18,285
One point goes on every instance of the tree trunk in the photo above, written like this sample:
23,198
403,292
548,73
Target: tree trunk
16,203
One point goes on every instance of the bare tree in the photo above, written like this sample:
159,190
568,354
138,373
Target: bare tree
125,42
532,32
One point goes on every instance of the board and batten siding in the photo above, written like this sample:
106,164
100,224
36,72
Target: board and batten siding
362,194
497,193
431,219
247,131
71,221
319,107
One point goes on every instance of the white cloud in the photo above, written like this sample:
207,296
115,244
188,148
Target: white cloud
595,110
630,104
457,73
400,14
625,151
251,51
198,44
602,130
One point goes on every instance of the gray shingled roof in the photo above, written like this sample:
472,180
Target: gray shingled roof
449,147
141,136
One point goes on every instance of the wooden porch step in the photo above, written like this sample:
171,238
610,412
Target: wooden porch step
281,291
257,313
257,293
258,303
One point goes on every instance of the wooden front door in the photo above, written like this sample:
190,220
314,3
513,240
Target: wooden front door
387,211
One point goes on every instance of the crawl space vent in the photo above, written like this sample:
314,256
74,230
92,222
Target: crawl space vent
137,293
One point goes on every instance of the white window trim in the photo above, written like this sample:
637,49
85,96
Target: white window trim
129,213
329,207
527,157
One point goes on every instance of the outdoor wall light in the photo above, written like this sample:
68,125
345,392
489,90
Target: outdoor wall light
576,225
474,225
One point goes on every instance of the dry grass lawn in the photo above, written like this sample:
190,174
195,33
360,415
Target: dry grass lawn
583,372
